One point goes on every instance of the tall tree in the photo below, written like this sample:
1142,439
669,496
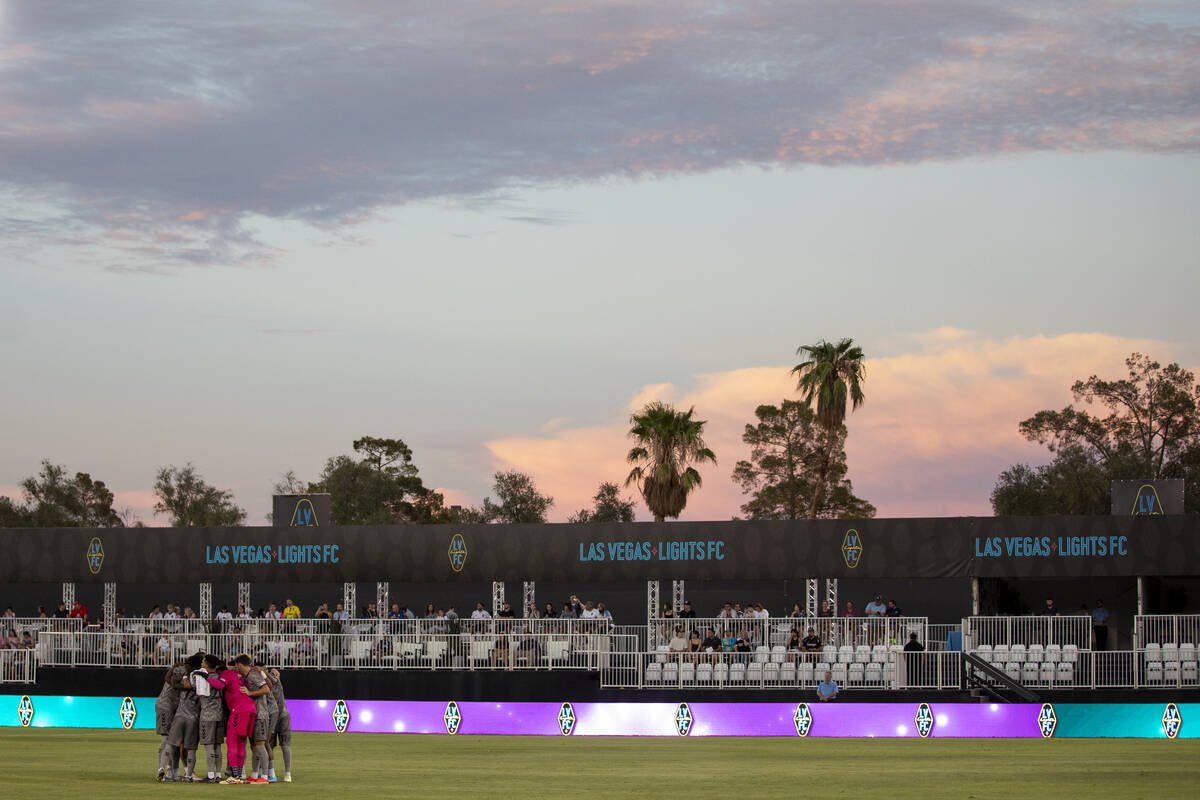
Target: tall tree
185,497
831,375
56,499
381,486
669,442
787,449
519,499
607,506
1149,428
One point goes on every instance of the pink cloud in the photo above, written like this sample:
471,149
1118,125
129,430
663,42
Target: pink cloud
939,424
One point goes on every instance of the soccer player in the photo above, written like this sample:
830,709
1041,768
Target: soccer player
282,733
212,716
164,714
258,687
185,727
241,714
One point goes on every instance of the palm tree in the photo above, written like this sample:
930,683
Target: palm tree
669,442
831,374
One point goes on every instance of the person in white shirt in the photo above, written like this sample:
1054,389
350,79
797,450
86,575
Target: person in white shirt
678,643
589,612
242,613
480,612
760,612
224,613
341,614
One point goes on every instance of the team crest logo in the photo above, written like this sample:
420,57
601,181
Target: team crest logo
924,720
453,718
566,719
803,719
341,716
683,719
305,515
1146,503
1172,721
95,555
1047,720
128,713
25,711
852,548
458,552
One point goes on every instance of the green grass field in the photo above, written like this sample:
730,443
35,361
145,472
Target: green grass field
97,765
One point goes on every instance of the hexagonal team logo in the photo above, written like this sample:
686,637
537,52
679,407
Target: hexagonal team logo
453,718
1172,720
457,552
1047,720
341,716
25,711
924,720
803,719
683,719
566,719
95,555
128,713
852,548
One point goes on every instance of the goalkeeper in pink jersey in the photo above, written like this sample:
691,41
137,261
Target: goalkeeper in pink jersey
241,714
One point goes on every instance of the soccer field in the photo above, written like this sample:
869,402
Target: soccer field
96,765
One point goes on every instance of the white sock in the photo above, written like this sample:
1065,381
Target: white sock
271,772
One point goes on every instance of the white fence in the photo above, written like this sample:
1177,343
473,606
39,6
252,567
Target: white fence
776,631
1062,631
1163,629
360,650
18,666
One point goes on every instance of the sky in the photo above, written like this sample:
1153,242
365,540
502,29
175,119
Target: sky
242,235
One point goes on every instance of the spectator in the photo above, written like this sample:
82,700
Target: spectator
568,611
828,688
162,649
501,656
340,613
726,612
849,611
451,614
1100,625
737,611
913,664
760,612
532,612
1049,610
291,610
480,612
395,612
323,612
243,613
678,643
743,648
589,612
171,612
27,641
826,609
667,611
795,644
695,643
13,642
9,613
728,641
61,612
548,612
712,643
41,612
273,612
812,642
79,611
796,612
604,612
430,612
406,613
505,611
893,610
687,612
188,613
224,614
912,645
876,608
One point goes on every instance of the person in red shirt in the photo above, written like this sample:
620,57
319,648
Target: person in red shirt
79,611
241,713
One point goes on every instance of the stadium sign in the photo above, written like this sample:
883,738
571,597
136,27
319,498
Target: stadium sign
25,711
127,713
803,719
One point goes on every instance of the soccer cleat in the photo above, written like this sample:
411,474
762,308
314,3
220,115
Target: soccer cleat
162,773
272,779
257,780
208,780
233,779
287,778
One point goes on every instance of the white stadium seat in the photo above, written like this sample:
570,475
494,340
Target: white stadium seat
1046,673
1029,673
856,673
1187,652
1053,652
787,672
1070,653
662,652
1188,672
1154,672
1035,653
772,672
737,672
839,673
1000,654
984,651
845,654
671,672
704,672
721,673
1013,670
1065,675
654,672
1016,653
874,673
762,654
1171,671
754,672
777,653
1170,652
1153,652
862,654
806,673
879,654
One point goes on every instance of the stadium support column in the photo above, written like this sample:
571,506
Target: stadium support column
975,597
110,604
382,601
206,601
678,594
68,595
244,598
350,597
1141,596
831,586
812,603
528,597
651,602
497,596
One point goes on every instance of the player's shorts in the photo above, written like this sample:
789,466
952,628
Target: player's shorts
212,733
185,732
163,717
262,727
241,723
283,731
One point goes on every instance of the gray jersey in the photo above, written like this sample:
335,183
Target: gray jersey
189,705
280,700
169,696
212,707
255,680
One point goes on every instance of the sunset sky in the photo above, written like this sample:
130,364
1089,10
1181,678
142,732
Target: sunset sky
245,234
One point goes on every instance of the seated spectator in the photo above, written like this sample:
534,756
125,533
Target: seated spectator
79,611
728,641
687,612
760,612
726,612
382,648
712,644
893,610
500,654
27,641
13,642
828,689
811,642
162,650
678,643
667,611
188,613
850,610
224,614
743,648
322,612
876,608
695,643
340,613
395,613
795,644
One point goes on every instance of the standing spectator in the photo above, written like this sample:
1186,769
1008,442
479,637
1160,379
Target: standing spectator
828,689
606,614
451,614
1100,625
726,612
291,610
1049,610
667,611
61,612
893,610
548,612
876,608
41,612
913,663
505,610
480,612
849,610
323,612
760,612
430,611
568,612
796,612
224,614
79,611
340,613
243,613
532,612
912,645
687,612
9,613
589,612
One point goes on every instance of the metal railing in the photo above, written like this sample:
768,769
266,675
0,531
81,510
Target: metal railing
1052,667
990,631
18,666
357,650
1166,629
36,625
776,631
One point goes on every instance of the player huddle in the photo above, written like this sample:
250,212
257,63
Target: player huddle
205,702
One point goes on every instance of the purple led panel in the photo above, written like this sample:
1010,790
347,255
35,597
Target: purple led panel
865,720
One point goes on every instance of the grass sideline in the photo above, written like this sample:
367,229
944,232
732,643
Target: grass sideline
101,764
